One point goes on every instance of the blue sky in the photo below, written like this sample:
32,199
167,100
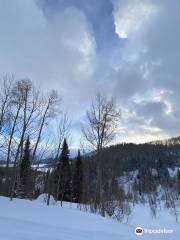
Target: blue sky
128,49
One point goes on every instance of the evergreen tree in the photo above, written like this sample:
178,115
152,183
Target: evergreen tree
178,181
63,175
77,179
25,169
178,175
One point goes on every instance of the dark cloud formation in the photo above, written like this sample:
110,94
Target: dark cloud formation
99,15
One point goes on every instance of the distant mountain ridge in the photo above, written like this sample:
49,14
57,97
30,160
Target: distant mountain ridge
169,141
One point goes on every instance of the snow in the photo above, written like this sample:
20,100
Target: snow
33,220
127,180
164,219
173,172
154,172
42,167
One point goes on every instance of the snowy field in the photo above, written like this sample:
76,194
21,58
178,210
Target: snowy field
33,220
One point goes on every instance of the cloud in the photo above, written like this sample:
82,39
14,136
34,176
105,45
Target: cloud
150,54
56,52
132,16
125,48
99,14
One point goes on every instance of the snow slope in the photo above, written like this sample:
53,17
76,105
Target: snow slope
33,220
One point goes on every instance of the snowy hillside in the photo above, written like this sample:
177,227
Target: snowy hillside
33,220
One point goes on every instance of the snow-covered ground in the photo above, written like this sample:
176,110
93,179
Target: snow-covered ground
173,172
33,220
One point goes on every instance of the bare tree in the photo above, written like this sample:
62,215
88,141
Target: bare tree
4,98
29,99
103,118
25,111
16,104
49,110
63,131
25,102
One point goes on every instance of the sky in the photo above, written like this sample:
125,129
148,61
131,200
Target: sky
128,49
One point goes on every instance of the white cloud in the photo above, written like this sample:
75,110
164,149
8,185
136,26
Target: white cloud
132,16
148,76
57,50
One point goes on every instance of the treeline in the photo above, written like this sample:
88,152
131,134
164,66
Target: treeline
63,180
33,127
143,171
130,156
27,115
26,118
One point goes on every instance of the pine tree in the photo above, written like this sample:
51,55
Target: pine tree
77,179
178,181
25,169
178,175
63,175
